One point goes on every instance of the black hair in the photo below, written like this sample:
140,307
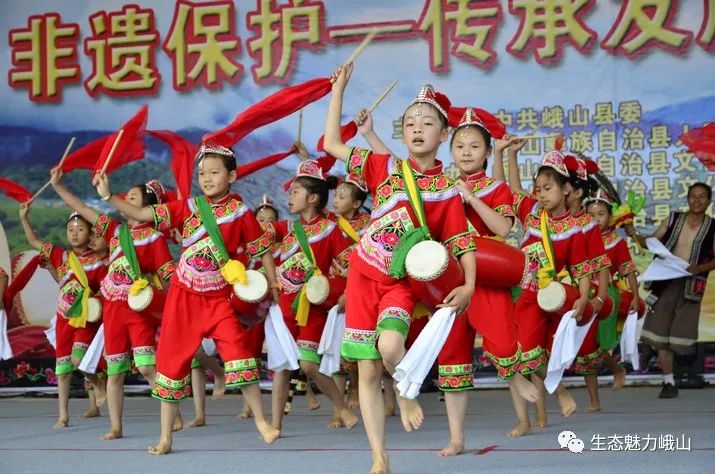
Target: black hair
319,187
555,175
442,119
357,193
708,189
603,203
149,197
268,206
487,140
587,186
229,162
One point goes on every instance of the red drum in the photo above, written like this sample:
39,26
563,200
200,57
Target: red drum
498,264
432,272
607,307
558,299
626,299
250,301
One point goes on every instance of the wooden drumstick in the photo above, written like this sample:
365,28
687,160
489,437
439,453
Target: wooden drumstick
362,46
384,94
62,160
300,124
111,151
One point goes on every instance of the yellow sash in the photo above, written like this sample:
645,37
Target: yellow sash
76,267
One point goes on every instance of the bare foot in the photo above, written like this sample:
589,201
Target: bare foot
268,432
525,388
313,402
619,379
91,413
348,418
454,448
380,464
522,428
245,414
219,388
62,423
353,400
593,408
196,422
113,434
541,420
163,447
335,421
566,401
178,426
411,414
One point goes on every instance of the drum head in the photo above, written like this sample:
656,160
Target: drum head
255,289
427,260
141,300
94,310
551,298
317,289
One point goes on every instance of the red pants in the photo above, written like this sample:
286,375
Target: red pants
534,333
591,354
71,343
308,336
188,318
126,331
255,336
491,314
371,307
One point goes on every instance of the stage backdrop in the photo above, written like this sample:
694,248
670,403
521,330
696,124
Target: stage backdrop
620,79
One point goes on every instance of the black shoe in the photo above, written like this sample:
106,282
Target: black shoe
668,391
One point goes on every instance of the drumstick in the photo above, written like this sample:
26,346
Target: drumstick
62,160
535,136
111,151
384,94
362,46
300,124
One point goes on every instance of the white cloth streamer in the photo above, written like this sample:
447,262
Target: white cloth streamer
209,346
282,350
51,332
416,364
5,348
567,341
91,358
330,341
665,266
629,339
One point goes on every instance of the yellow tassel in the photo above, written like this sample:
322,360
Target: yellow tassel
234,272
81,320
157,281
138,285
301,316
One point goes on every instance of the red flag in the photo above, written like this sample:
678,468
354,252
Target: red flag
183,154
86,156
701,141
14,191
495,126
19,281
347,131
244,170
130,147
270,109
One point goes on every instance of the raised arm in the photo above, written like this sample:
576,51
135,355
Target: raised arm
363,120
514,179
497,223
658,234
30,234
332,141
141,214
89,214
500,144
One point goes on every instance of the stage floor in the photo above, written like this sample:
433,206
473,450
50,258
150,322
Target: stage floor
28,442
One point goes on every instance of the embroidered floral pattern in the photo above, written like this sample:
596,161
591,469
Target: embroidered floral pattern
626,268
63,365
460,244
506,367
600,262
356,163
590,364
170,390
241,372
162,218
453,378
101,225
533,360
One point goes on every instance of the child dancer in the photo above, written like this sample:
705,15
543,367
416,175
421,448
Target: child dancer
565,235
79,271
135,250
309,246
379,305
216,228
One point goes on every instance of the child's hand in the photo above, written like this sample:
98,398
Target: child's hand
55,176
24,210
501,144
301,151
458,298
101,182
341,303
635,305
596,305
463,190
340,77
579,306
516,144
363,120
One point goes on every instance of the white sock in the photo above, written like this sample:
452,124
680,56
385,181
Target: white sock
668,378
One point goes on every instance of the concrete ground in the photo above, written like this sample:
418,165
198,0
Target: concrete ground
29,444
